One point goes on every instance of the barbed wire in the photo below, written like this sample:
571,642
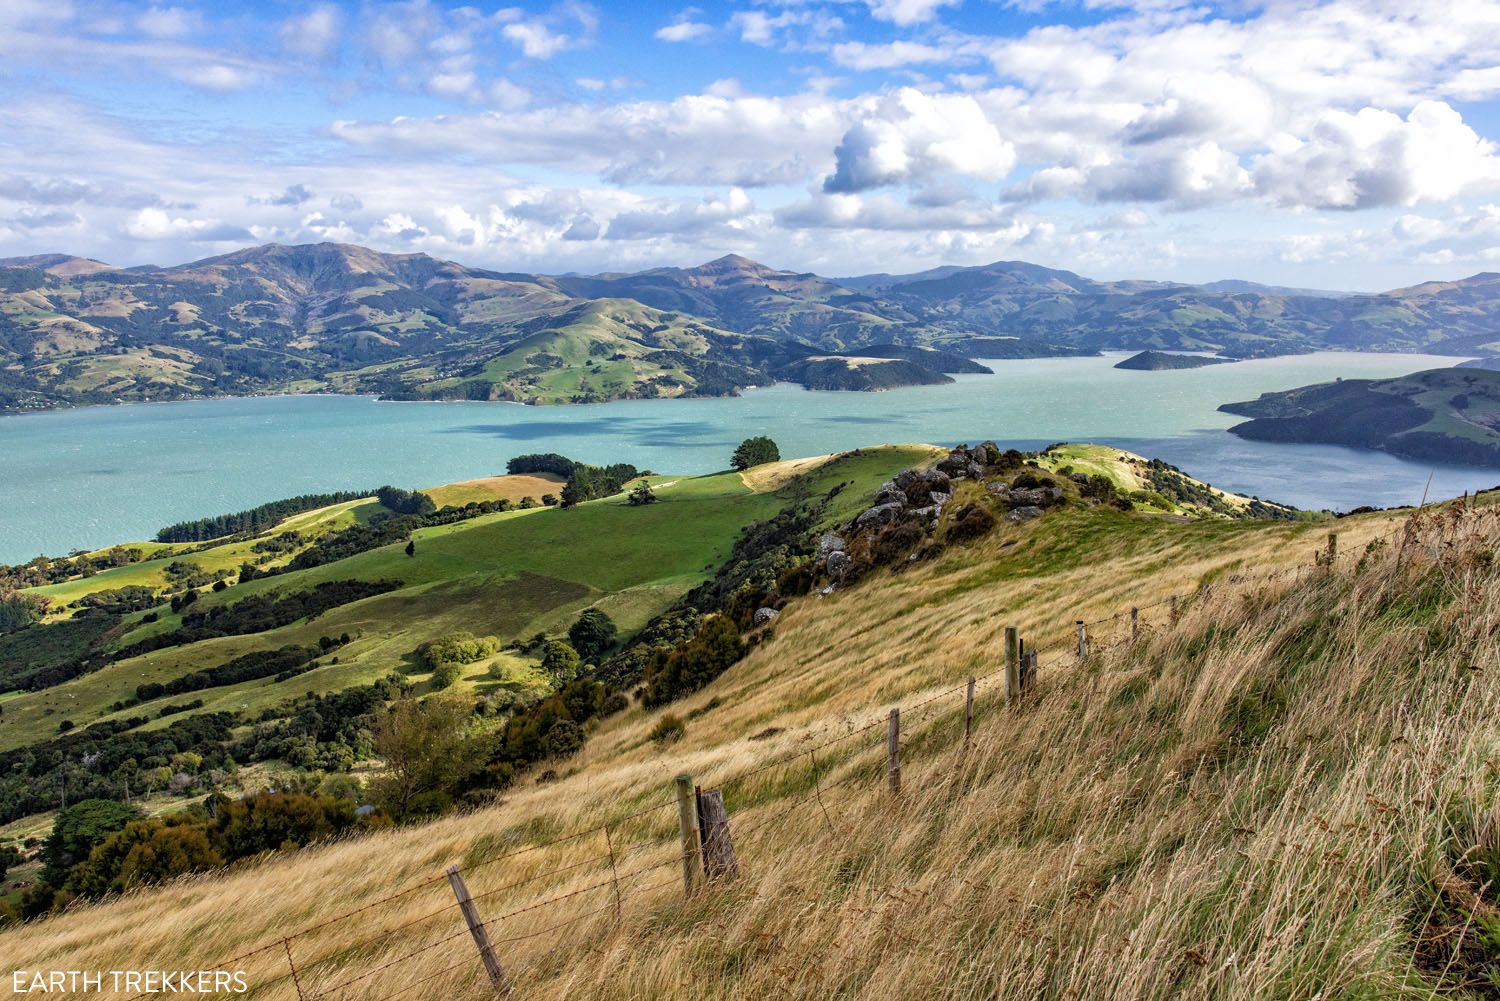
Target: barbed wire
818,794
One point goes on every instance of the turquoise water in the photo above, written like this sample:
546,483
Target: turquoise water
90,477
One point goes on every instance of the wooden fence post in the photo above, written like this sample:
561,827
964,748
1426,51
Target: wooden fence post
1012,663
1135,623
969,712
1173,601
1083,641
893,751
687,827
1333,547
718,847
614,872
1028,670
481,937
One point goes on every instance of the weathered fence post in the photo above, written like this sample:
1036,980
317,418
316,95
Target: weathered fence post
481,937
614,872
687,826
969,712
1173,602
1028,670
1333,547
1135,623
893,751
1083,641
1012,663
718,847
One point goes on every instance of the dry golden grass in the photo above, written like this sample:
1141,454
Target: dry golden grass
1264,801
512,488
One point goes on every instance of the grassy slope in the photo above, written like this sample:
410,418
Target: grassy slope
1234,808
510,575
1122,469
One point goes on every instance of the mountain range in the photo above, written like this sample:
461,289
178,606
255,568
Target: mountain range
331,317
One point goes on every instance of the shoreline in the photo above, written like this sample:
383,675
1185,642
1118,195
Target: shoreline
1103,353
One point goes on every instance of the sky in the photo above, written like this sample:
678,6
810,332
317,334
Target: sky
1339,145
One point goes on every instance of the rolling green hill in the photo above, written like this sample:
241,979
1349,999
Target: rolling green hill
1441,415
510,575
338,318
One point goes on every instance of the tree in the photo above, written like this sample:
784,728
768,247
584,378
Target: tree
146,851
17,611
427,747
592,634
77,830
754,452
411,547
560,661
642,493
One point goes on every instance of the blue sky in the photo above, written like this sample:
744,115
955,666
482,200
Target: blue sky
1327,144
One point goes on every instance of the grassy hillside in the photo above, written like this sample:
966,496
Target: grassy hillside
1288,793
1441,415
508,575
342,318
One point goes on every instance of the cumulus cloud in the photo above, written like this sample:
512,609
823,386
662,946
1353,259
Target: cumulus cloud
712,213
157,224
314,34
911,135
571,26
683,30
1375,158
905,12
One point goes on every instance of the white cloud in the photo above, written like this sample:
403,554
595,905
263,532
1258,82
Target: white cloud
864,56
315,34
910,135
906,12
168,22
1375,158
683,31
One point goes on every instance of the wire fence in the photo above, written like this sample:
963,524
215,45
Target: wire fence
321,962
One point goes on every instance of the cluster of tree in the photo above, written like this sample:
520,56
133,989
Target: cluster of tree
544,462
108,760
330,732
99,847
755,452
44,570
642,493
252,520
49,654
591,482
446,657
120,600
17,611
405,501
551,728
260,612
283,663
687,667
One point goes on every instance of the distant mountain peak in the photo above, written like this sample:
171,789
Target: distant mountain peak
733,262
61,265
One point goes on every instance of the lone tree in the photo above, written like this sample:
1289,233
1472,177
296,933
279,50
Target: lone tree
642,493
592,634
411,547
754,452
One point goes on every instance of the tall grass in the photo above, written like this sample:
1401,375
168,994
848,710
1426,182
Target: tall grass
1291,794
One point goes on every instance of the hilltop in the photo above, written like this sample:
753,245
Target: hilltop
340,318
1131,827
1441,415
